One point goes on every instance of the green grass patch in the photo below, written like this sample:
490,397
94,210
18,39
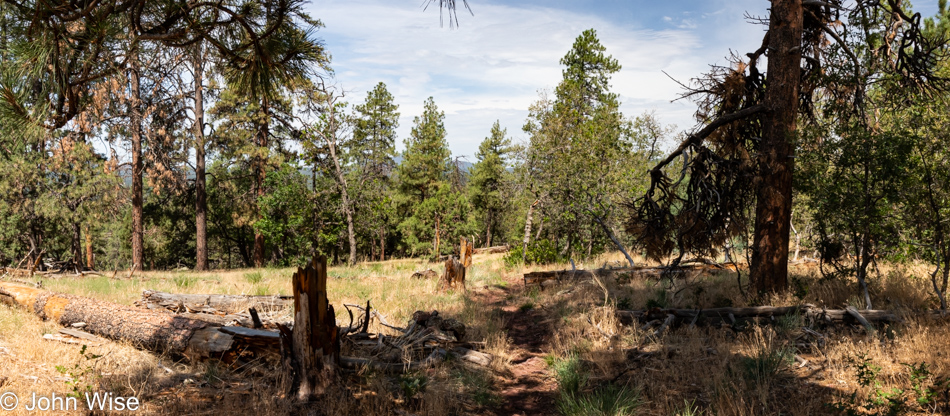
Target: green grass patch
610,400
254,278
766,363
184,281
577,399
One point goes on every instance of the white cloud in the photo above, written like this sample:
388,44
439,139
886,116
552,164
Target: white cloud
493,65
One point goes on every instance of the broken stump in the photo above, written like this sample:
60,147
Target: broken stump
311,351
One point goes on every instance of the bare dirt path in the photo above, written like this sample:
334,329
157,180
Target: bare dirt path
529,388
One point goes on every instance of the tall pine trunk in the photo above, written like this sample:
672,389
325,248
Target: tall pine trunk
382,245
201,201
135,121
488,230
77,245
90,257
773,210
259,173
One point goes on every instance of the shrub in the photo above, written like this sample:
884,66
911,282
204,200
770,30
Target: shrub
921,396
539,252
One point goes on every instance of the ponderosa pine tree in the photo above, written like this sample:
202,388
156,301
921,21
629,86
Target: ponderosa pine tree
426,158
421,173
744,156
580,146
486,179
268,73
330,135
372,151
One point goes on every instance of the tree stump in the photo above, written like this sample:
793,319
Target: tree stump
455,268
311,352
454,274
465,253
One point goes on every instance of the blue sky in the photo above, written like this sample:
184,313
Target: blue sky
494,64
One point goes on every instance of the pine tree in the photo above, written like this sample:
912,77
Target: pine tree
372,151
374,134
580,147
424,188
487,176
426,158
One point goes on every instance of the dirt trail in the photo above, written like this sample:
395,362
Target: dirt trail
530,388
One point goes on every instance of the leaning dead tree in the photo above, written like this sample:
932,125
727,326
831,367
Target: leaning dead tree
736,171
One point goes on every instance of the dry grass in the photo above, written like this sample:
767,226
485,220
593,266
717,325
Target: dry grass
30,363
713,370
704,370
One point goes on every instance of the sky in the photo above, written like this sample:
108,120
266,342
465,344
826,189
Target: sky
493,64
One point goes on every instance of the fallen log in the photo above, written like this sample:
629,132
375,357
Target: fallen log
560,275
491,250
425,274
354,363
197,339
151,330
860,318
216,304
733,315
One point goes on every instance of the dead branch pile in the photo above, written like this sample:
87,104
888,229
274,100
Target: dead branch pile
215,304
426,340
226,310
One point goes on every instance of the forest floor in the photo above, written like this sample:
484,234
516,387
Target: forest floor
560,350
